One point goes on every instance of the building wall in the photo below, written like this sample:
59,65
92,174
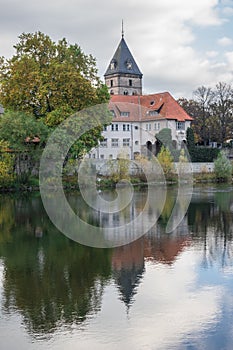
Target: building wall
129,138
119,84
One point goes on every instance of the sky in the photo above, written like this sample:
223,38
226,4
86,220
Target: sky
178,45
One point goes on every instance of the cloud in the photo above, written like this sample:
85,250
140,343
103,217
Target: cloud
227,11
161,35
225,41
212,53
169,306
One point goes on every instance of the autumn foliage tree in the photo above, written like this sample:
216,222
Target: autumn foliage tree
43,76
49,82
212,112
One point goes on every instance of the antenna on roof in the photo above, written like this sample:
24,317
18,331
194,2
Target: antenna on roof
122,29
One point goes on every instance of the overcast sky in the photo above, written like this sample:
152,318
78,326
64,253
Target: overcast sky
177,44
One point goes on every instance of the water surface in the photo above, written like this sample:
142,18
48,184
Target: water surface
162,291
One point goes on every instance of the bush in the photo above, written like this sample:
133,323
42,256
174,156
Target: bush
166,161
222,168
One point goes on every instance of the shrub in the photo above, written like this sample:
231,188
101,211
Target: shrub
222,168
166,161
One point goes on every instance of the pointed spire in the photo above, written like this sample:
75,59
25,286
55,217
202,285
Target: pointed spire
122,29
123,61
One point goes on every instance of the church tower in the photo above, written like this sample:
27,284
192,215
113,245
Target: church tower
123,76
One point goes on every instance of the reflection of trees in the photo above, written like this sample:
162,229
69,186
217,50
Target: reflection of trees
211,220
48,278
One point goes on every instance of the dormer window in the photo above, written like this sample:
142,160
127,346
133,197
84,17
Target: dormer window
113,113
153,113
113,64
129,64
124,114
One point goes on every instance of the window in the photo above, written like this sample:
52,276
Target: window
114,127
136,127
153,113
130,82
113,113
157,126
111,83
126,142
126,127
126,92
104,143
93,155
124,114
148,127
136,142
105,128
114,142
180,126
102,156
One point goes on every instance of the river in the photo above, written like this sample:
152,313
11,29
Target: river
160,291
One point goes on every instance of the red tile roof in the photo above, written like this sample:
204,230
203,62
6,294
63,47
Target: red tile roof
139,107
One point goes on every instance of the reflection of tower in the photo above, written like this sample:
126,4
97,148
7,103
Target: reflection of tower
128,267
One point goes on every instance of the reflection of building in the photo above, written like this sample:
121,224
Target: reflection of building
164,249
136,117
128,260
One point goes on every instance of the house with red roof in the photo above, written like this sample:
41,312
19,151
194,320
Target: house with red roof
137,118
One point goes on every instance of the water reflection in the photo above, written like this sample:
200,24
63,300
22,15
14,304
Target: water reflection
165,281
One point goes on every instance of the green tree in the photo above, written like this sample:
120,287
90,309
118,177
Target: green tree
222,167
190,143
25,136
164,137
44,76
6,164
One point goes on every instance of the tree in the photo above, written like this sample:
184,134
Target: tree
222,167
190,143
52,81
164,137
204,97
6,164
193,109
222,111
25,136
166,161
20,130
44,76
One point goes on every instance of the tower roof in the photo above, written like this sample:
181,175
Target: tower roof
123,61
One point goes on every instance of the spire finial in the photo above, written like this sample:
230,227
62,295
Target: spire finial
122,29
